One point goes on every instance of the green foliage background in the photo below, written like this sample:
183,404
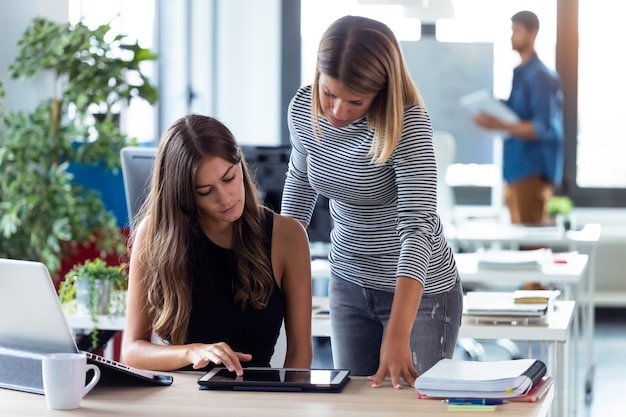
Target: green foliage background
45,213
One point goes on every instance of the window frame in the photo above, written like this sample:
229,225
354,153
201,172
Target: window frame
567,67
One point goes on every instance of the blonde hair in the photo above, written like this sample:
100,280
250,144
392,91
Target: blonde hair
171,214
365,56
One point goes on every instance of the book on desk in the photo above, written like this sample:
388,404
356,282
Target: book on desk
519,307
450,378
537,392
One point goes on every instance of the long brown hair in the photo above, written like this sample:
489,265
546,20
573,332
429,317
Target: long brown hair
170,213
365,56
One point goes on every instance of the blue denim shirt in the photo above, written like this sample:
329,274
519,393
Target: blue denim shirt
536,95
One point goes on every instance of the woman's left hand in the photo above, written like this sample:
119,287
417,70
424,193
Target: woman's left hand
395,360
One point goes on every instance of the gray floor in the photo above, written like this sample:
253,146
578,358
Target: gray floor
609,379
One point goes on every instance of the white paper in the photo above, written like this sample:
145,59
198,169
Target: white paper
483,102
477,303
513,259
458,378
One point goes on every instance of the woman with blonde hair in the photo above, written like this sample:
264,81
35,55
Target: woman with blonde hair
212,271
362,137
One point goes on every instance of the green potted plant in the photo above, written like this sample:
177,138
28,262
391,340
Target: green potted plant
559,208
94,288
45,212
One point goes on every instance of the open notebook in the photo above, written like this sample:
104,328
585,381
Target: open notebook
33,324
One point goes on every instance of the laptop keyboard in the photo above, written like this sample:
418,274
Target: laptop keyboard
21,371
115,364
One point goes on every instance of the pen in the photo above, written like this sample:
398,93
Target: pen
471,407
476,401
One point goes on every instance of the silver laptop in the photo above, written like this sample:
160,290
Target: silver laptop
33,324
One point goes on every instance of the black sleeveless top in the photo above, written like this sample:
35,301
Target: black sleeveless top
215,317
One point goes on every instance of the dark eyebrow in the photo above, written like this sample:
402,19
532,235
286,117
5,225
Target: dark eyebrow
226,173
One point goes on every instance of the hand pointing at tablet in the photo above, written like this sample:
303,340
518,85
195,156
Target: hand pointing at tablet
202,355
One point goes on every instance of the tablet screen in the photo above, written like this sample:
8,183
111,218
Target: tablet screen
288,378
306,376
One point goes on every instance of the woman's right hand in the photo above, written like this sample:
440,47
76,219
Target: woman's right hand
200,355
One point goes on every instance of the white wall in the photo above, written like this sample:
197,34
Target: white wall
248,69
242,89
15,17
173,61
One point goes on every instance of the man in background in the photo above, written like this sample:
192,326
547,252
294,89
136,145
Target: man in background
533,147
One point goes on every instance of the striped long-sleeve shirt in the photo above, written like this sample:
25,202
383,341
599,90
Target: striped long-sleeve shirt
385,216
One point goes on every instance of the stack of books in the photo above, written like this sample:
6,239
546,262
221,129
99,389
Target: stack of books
450,378
517,307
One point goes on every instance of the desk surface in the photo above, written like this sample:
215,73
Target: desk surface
570,272
566,273
556,329
488,231
184,399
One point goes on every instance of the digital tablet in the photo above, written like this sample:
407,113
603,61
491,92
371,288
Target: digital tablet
276,379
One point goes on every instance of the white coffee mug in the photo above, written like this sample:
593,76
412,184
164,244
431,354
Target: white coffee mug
64,379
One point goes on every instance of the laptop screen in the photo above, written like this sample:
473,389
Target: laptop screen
32,324
32,318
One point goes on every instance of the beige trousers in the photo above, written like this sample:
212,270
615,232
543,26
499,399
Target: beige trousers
527,200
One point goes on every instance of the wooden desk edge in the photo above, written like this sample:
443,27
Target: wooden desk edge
184,398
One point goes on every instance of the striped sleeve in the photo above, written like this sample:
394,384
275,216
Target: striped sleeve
385,221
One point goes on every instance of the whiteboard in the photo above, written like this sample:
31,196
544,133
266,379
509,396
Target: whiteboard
444,72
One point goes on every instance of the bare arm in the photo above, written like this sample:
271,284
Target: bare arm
139,351
395,351
291,260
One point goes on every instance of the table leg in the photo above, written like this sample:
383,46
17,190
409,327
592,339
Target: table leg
557,369
590,328
563,400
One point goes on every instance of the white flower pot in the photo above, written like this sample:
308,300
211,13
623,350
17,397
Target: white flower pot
84,298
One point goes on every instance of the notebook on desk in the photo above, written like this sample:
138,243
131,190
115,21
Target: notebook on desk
33,325
500,307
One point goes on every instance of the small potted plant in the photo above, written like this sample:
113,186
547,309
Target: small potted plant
95,288
559,208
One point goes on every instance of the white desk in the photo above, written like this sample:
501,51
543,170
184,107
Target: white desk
487,233
556,332
571,274
183,398
104,322
484,233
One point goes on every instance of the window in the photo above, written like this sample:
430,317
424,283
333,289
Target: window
601,144
135,19
469,24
